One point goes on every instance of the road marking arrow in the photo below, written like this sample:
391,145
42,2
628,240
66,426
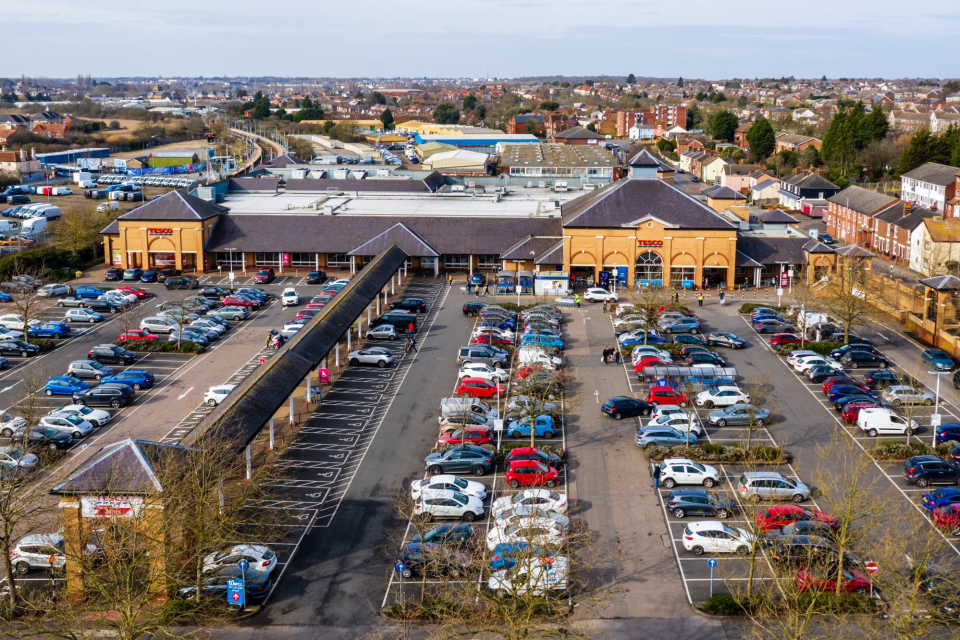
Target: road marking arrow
184,394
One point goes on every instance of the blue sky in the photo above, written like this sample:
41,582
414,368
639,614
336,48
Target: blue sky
471,38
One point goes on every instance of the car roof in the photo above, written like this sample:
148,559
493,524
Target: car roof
705,525
678,461
763,475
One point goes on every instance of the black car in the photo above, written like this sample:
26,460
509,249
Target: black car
837,336
150,275
857,359
926,470
529,453
256,583
820,373
623,407
18,348
180,282
113,274
417,305
163,274
111,353
700,502
473,308
842,401
941,586
43,437
316,277
689,338
433,559
103,306
807,551
107,395
447,533
883,378
839,352
956,380
704,357
213,293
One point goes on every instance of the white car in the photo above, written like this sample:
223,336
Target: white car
637,334
53,290
629,320
597,294
10,334
798,354
537,532
666,410
291,328
119,297
482,370
543,498
448,482
72,424
681,421
806,363
506,334
642,351
382,332
674,471
289,297
625,308
209,325
15,321
534,575
723,396
257,556
216,394
9,424
448,504
510,516
96,417
713,536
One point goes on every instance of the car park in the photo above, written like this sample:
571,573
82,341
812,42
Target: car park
115,396
674,471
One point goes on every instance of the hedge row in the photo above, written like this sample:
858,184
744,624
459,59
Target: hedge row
711,452
45,344
896,450
160,346
56,264
748,307
725,604
823,348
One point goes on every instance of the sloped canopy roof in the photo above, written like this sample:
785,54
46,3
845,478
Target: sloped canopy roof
125,467
942,283
722,193
531,247
399,234
815,246
853,251
176,205
554,255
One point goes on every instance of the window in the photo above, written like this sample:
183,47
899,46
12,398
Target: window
230,257
338,260
456,261
303,259
267,259
488,261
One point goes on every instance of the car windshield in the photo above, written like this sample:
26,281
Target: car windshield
47,431
728,529
73,419
460,482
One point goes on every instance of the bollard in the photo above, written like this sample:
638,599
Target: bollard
292,420
348,341
336,357
249,470
766,294
271,433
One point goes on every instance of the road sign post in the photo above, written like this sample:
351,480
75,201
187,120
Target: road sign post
400,568
236,592
712,563
871,568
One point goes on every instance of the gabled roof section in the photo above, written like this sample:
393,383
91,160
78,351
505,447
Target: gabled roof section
282,161
743,260
812,181
815,246
530,247
646,159
399,234
720,192
553,255
176,205
125,467
769,251
625,201
934,173
776,216
942,283
578,133
862,200
853,251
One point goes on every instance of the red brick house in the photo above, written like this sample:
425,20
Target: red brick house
740,135
849,214
527,123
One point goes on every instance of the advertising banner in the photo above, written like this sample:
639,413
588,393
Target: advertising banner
110,506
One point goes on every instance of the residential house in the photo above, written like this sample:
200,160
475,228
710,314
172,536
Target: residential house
737,177
908,121
721,198
14,121
21,164
849,214
578,135
767,190
933,244
807,193
953,205
690,144
942,119
804,115
894,230
740,135
796,143
50,130
527,123
712,169
931,185
640,132
556,122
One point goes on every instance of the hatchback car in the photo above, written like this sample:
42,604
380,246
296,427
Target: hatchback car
674,471
940,498
532,453
939,358
666,395
772,485
115,396
136,378
82,315
779,516
711,536
376,356
448,504
88,369
71,423
479,388
899,395
530,473
265,276
18,348
700,502
64,386
543,427
664,436
620,407
739,414
458,459
444,482
725,339
857,359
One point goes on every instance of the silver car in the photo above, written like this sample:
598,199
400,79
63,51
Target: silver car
89,369
379,356
72,424
53,290
771,485
900,394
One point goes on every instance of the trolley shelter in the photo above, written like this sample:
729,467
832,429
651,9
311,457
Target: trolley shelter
700,378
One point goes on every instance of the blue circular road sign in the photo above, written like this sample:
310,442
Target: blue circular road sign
712,563
400,567
243,564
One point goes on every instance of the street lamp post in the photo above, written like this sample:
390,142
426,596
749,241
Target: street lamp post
936,408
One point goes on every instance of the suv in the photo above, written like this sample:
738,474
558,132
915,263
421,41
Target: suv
33,552
622,406
861,358
926,470
771,485
400,319
264,276
473,308
460,458
180,282
416,305
111,353
700,502
674,471
213,293
483,353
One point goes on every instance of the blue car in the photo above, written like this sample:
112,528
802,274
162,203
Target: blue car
940,498
838,391
543,341
939,358
651,339
150,275
55,330
89,291
766,317
948,432
542,427
5,297
505,554
64,386
498,323
133,275
136,378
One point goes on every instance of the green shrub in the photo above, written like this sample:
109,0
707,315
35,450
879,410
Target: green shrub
160,346
822,348
674,348
712,452
833,603
723,604
748,307
894,450
767,453
45,344
57,264
712,449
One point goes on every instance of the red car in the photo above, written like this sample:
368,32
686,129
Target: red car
666,395
649,361
467,435
127,289
530,473
138,334
315,305
478,388
842,380
491,339
783,338
307,313
240,301
851,410
947,517
264,276
527,369
784,514
329,292
826,581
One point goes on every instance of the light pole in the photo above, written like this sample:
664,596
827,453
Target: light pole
936,408
231,250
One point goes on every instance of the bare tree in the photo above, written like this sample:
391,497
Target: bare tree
845,295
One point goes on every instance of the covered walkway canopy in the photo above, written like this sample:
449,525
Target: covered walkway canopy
243,413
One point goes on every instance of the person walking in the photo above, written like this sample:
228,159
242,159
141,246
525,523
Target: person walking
280,340
469,284
410,329
699,299
656,476
486,289
605,355
617,356
676,297
269,339
722,299
576,299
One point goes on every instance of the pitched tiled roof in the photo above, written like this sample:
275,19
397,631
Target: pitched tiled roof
934,173
554,255
776,216
176,205
411,243
853,251
646,159
773,250
627,201
812,181
125,467
942,283
906,218
760,186
943,230
267,183
815,246
530,247
743,260
722,193
282,161
862,200
578,133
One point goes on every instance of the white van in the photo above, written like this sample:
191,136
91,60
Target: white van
8,228
33,226
113,205
876,421
535,355
459,406
87,184
48,211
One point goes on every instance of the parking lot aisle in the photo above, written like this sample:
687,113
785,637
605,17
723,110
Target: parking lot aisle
338,572
609,484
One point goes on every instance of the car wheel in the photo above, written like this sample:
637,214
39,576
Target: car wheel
617,415
23,354
898,403
882,365
709,482
513,484
550,484
697,550
743,549
435,470
90,320
862,591
923,482
872,433
928,402
758,422
723,514
548,435
391,337
354,361
514,434
407,574
59,304
721,423
469,516
77,435
48,392
479,471
52,446
708,404
798,497
854,365
115,404
23,568
382,364
136,386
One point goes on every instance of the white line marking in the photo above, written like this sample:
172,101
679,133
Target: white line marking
184,394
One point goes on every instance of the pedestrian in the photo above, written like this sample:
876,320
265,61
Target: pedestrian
269,339
450,279
722,299
469,284
606,355
486,289
477,292
676,297
616,354
699,299
280,341
410,329
604,306
576,299
656,476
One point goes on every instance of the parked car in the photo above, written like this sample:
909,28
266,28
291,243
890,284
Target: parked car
543,427
230,312
133,275
113,274
479,388
664,436
723,396
316,277
448,504
90,291
857,359
82,315
180,282
96,417
700,502
596,294
88,369
674,471
256,583
33,553
444,482
137,334
772,485
43,437
10,347
52,330
778,339
900,395
64,385
112,353
623,407
939,358
417,305
530,473
72,424
53,290
460,458
666,395
823,579
377,356
136,378
537,532
877,420
115,396
739,414
779,516
532,453
265,276
713,536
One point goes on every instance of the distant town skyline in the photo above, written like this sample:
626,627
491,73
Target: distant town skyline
476,38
